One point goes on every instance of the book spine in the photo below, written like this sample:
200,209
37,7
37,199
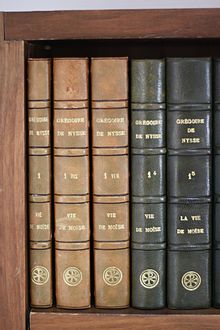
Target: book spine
189,182
71,182
216,208
148,183
39,151
110,181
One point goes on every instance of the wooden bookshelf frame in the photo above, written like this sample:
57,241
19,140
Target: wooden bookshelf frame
16,31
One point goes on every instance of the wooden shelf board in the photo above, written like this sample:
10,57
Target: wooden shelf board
129,318
96,24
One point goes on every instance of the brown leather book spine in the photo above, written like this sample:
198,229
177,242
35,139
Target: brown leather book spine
39,151
110,181
71,183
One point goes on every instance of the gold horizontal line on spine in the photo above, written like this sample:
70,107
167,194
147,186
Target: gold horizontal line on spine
38,104
109,151
39,198
71,104
111,245
76,199
111,199
109,104
40,245
71,152
72,245
39,151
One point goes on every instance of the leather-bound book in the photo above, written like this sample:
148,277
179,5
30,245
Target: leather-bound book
189,182
148,183
216,215
39,151
109,80
71,182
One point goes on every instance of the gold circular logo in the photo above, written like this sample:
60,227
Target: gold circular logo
112,276
149,278
72,276
39,275
191,280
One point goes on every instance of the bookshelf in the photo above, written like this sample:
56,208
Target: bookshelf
136,33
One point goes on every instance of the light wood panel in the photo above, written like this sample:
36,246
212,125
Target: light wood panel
12,188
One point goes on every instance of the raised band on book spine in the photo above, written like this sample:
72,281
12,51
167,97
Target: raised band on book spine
39,156
71,182
189,182
148,183
216,208
110,181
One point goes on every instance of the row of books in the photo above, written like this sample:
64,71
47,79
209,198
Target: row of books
79,145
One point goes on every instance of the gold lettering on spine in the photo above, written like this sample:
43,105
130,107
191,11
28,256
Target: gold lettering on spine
38,120
190,140
76,133
113,176
187,121
149,216
196,217
195,231
70,120
71,227
110,120
111,215
180,231
148,122
42,226
116,133
152,136
98,133
71,215
152,229
43,133
191,175
139,136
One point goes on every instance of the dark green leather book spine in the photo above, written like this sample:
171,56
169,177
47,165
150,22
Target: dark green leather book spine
189,182
216,224
148,187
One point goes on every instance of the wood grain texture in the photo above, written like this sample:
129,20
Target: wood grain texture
2,32
12,188
127,319
96,24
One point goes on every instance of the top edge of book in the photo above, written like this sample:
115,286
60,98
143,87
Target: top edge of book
109,58
189,58
84,58
45,59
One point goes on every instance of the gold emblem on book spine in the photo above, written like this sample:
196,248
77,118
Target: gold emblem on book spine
149,278
39,275
112,276
72,276
191,281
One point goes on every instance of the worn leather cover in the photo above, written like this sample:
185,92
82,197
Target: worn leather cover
189,279
216,222
112,276
148,183
73,274
39,151
71,182
148,277
189,182
41,274
110,177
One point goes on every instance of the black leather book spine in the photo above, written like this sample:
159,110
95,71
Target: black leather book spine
216,211
148,180
189,182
